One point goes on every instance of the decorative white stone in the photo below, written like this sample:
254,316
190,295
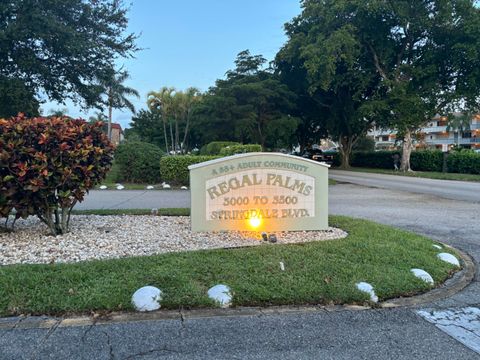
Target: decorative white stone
120,187
366,287
221,294
184,188
166,186
423,275
150,187
103,187
449,258
147,298
437,246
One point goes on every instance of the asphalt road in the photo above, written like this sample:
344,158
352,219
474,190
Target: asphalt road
456,190
367,334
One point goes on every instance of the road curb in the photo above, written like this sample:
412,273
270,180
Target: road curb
452,286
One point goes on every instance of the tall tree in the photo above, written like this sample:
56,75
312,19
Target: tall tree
162,101
459,123
63,47
427,53
398,62
252,102
323,61
117,95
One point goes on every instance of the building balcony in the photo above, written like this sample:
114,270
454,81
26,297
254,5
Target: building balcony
452,141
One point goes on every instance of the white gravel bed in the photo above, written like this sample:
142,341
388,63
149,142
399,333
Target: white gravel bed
106,237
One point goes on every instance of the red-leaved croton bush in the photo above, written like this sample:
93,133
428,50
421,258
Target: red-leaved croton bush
47,165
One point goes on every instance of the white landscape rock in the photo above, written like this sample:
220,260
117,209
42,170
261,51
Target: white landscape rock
184,188
150,187
221,294
103,187
120,187
147,298
423,275
366,287
166,186
449,258
437,246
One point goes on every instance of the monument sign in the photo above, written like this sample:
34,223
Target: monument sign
259,192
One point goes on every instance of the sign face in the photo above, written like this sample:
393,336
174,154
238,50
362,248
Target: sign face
259,192
444,147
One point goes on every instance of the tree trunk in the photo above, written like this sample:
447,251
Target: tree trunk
407,150
177,135
186,132
171,137
165,134
109,131
346,144
110,110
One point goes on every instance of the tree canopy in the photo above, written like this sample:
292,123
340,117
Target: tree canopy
397,63
63,48
252,104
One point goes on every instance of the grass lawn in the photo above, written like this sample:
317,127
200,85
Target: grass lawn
422,174
315,273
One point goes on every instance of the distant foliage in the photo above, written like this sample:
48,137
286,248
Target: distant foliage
240,149
174,169
365,143
138,162
215,147
47,165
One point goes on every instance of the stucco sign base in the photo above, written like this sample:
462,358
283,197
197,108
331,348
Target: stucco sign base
259,192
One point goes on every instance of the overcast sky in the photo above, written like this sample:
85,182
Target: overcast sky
193,43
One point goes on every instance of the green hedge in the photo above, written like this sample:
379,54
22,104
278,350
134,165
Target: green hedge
240,149
215,147
463,162
174,169
426,160
138,162
373,159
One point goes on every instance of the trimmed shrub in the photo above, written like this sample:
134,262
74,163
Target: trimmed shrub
240,149
138,162
463,162
373,159
174,169
426,160
48,164
215,147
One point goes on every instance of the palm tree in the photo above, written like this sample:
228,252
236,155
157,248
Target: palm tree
190,98
162,100
117,96
459,124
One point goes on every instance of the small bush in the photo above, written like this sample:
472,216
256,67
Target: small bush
215,147
138,162
48,164
463,162
240,149
174,169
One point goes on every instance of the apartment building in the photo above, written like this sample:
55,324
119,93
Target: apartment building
434,135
